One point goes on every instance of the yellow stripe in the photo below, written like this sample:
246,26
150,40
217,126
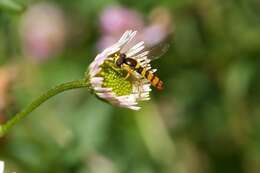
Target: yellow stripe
155,80
143,72
150,76
137,66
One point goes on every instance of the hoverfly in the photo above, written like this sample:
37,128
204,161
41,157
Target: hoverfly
131,64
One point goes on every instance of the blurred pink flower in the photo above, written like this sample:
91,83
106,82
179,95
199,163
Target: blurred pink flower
7,77
153,34
160,26
43,30
115,20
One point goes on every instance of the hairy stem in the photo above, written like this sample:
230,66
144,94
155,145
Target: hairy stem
83,83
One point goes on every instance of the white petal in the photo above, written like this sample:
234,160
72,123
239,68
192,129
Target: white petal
136,108
154,70
129,99
143,54
127,37
96,80
145,99
131,51
141,43
124,36
142,59
106,95
111,50
135,51
132,35
1,166
100,89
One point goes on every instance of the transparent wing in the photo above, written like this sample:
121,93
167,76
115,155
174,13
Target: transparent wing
140,86
136,76
148,53
157,51
139,79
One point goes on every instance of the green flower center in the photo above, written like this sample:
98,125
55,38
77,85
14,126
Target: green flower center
115,78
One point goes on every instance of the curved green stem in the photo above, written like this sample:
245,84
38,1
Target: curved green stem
83,83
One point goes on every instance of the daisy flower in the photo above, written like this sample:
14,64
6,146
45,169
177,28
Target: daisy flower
109,82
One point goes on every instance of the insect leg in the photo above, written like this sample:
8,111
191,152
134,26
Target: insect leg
115,68
128,74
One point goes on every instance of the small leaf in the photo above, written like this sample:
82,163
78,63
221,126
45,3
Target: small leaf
11,5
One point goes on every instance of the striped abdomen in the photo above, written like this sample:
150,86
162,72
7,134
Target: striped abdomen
150,76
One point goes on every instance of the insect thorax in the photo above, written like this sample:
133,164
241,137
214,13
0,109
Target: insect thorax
119,59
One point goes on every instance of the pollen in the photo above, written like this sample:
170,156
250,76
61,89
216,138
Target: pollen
115,78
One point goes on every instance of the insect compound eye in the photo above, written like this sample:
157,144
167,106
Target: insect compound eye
119,61
123,56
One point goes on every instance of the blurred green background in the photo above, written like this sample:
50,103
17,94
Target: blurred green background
207,119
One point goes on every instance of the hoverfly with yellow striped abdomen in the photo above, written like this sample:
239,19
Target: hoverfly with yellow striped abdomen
139,65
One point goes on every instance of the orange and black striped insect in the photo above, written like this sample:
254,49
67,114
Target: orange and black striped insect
130,64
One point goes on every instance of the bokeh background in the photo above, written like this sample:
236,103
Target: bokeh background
207,120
